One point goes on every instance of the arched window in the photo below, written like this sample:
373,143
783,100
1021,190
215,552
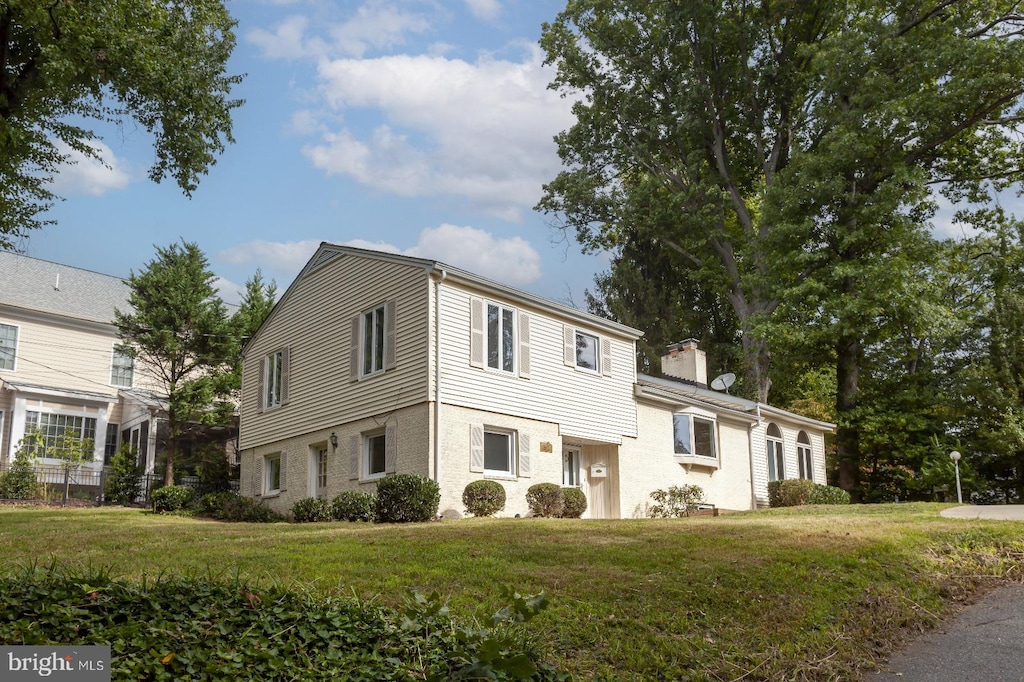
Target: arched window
803,455
776,463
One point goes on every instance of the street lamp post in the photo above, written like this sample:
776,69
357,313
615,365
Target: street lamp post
955,456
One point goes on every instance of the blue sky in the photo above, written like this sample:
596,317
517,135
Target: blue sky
416,126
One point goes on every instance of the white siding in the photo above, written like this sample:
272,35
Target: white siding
583,404
314,322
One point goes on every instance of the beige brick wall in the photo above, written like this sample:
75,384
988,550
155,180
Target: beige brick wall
646,464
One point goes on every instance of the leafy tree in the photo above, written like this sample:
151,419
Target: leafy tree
124,483
797,147
161,64
179,329
20,483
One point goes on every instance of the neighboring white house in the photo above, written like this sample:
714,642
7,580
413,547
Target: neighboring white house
61,367
375,363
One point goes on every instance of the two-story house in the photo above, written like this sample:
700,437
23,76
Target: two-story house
375,363
62,366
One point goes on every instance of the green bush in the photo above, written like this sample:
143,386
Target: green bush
19,483
405,498
124,482
791,492
353,505
575,503
227,506
311,509
545,499
676,502
171,498
187,628
484,498
826,494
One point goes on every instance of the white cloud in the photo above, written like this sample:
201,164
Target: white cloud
84,175
479,130
228,291
375,25
286,257
511,261
487,10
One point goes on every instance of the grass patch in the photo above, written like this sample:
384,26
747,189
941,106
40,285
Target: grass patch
801,593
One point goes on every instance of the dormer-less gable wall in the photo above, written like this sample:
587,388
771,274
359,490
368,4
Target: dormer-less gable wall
315,337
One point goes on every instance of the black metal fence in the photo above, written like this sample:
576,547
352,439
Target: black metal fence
78,486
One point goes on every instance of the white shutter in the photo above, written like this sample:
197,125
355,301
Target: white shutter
568,346
606,357
524,456
476,448
353,457
391,447
284,471
390,334
524,345
261,387
353,351
286,362
476,332
257,475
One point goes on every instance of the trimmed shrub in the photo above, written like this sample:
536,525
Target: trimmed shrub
311,509
791,492
353,505
676,502
827,494
124,482
405,498
171,498
227,506
545,499
484,498
19,483
575,503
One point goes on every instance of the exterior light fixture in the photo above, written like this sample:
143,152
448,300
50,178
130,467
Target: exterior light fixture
955,456
334,440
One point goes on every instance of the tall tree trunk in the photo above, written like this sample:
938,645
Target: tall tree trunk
756,361
848,352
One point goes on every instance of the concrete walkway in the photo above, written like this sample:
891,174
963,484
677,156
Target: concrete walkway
984,641
998,512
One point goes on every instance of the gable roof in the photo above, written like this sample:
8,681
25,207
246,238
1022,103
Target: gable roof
328,252
686,393
38,285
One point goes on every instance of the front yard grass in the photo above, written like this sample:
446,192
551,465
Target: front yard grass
808,593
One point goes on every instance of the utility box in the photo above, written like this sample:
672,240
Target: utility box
598,471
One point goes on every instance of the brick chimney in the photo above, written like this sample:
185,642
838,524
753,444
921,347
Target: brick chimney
686,361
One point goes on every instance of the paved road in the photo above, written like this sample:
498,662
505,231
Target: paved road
984,642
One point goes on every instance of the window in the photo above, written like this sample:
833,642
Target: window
586,351
319,469
51,427
694,435
272,475
500,337
273,379
122,367
8,345
803,455
373,341
570,468
776,463
376,455
498,453
110,445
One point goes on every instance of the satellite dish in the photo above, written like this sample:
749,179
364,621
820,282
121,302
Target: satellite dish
723,382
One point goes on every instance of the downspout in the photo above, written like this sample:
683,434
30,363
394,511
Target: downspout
753,495
437,376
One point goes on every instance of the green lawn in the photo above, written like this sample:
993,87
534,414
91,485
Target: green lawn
814,593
